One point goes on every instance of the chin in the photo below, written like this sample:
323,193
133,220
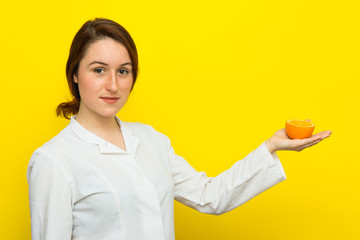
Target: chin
108,114
109,111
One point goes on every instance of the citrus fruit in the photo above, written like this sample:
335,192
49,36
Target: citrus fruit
299,129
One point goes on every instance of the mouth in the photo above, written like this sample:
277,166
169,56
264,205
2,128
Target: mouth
109,99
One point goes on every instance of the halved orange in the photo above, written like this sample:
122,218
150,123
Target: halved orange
299,129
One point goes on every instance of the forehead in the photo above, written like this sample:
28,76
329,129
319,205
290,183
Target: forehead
107,50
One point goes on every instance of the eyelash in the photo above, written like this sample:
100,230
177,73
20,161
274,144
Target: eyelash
95,70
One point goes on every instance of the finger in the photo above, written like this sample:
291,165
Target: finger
311,144
302,143
300,148
328,132
315,140
281,133
322,135
309,140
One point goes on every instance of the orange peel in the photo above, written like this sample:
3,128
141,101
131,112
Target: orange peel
299,129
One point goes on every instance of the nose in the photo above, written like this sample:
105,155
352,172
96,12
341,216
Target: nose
112,84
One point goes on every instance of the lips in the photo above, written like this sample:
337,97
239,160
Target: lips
110,99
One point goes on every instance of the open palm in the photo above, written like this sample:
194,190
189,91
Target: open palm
281,141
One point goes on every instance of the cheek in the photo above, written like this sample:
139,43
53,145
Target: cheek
87,88
126,86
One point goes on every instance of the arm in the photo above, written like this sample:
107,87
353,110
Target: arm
50,197
247,178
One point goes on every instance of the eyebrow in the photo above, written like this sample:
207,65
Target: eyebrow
94,62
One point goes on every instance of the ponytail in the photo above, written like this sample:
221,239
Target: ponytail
67,109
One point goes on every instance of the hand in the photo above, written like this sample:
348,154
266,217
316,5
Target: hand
280,141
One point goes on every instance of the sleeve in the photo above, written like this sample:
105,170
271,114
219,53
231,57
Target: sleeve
247,178
50,198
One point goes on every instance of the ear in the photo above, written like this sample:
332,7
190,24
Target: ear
75,78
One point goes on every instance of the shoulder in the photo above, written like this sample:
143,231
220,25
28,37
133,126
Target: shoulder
143,130
45,158
137,125
43,164
55,144
138,128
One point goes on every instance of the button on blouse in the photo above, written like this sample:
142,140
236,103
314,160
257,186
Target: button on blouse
83,187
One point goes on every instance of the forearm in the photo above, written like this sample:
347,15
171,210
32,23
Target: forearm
248,177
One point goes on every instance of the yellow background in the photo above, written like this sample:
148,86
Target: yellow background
218,78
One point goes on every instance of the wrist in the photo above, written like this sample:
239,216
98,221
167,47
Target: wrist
269,146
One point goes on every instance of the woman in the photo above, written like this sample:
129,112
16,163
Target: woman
103,178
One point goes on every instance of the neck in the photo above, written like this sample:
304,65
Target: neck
98,125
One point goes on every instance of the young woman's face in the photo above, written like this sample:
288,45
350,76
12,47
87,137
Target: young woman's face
104,79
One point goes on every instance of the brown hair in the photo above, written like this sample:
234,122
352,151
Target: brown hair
90,32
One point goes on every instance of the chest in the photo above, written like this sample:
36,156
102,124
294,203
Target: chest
116,138
123,179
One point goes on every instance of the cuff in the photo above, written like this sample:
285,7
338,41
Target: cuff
274,158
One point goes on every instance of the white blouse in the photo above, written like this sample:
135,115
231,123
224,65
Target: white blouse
83,187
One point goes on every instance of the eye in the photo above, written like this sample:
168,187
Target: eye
123,71
98,70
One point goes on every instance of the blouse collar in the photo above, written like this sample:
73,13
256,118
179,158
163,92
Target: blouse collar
131,142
